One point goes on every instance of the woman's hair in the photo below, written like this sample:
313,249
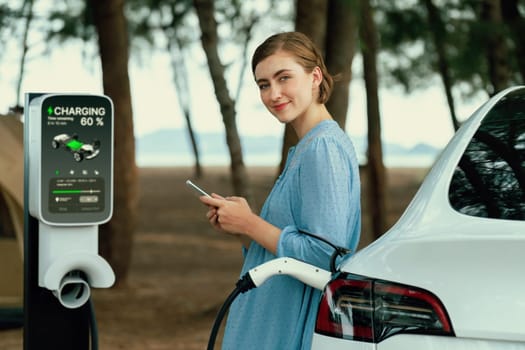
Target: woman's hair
307,54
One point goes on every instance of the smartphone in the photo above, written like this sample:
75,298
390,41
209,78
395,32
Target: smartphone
197,189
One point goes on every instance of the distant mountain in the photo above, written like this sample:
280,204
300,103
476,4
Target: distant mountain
176,142
418,149
423,148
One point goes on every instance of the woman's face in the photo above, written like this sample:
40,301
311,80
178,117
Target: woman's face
286,89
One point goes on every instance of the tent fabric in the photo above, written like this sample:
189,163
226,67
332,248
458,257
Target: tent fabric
12,192
12,170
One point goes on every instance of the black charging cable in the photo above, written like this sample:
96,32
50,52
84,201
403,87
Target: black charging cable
93,329
243,285
246,283
338,251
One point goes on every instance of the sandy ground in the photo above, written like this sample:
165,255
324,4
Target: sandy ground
182,270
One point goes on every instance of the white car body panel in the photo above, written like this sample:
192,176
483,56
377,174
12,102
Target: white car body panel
323,342
484,268
410,341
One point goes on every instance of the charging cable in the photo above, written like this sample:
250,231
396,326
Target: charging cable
93,329
306,273
338,251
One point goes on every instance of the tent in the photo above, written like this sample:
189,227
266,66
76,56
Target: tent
11,219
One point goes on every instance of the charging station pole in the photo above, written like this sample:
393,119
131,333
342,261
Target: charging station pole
61,217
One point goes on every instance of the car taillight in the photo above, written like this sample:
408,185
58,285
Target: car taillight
358,308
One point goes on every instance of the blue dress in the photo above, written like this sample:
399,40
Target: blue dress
318,192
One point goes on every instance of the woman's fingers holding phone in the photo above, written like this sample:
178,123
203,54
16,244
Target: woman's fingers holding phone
213,201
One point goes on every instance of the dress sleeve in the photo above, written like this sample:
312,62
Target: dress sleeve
323,204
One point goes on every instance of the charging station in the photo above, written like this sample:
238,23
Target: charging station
68,183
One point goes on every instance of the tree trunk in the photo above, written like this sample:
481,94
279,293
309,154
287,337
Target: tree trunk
514,21
437,30
310,19
27,11
193,140
116,236
376,170
341,36
496,49
209,39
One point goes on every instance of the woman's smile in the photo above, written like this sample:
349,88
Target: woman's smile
280,106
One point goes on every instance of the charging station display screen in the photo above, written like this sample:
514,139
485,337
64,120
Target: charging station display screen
77,159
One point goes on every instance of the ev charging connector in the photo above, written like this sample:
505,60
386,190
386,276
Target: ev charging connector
70,159
304,272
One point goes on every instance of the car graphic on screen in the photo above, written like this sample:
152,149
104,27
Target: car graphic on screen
79,149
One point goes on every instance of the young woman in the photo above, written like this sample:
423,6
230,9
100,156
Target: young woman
317,192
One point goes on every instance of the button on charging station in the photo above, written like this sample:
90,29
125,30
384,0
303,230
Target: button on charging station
88,199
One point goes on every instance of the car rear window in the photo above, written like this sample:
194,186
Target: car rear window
489,180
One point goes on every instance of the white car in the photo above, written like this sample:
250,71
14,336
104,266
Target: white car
450,274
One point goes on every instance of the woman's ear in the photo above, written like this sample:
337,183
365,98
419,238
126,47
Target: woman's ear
317,75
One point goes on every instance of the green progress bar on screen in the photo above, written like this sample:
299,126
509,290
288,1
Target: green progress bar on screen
74,191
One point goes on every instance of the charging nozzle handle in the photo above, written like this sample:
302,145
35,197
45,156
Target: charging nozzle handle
304,272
